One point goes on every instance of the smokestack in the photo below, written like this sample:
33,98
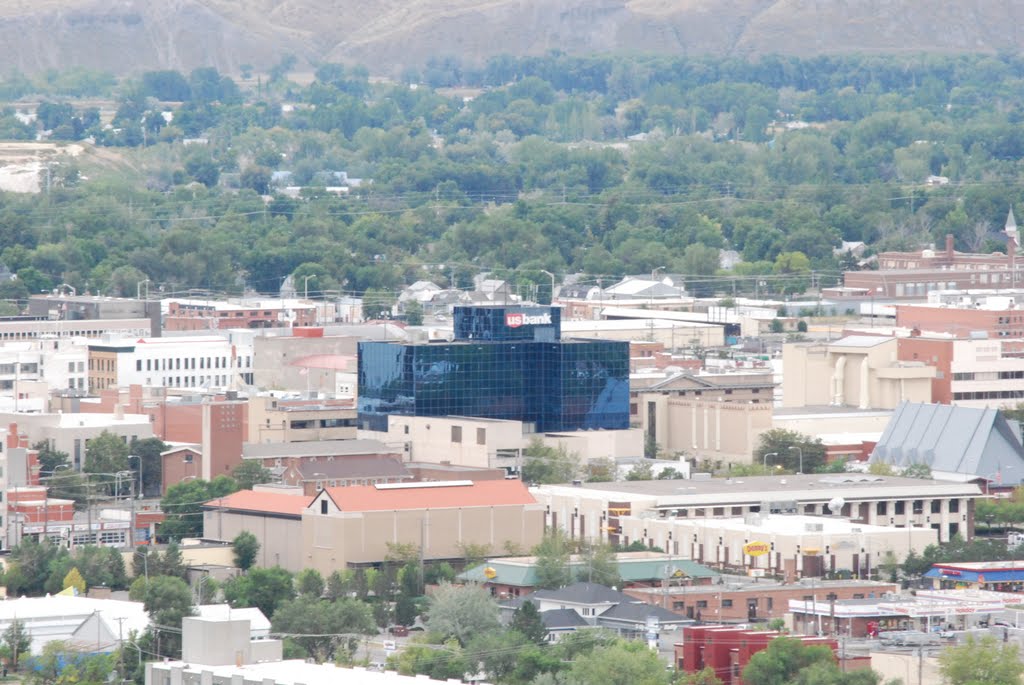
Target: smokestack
949,246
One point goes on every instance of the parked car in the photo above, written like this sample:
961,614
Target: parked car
399,631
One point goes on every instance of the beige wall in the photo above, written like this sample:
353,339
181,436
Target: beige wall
670,335
817,374
599,444
280,538
336,539
277,363
429,439
269,423
906,667
814,424
716,544
720,431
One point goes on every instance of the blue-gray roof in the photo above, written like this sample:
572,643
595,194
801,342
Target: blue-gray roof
554,619
637,612
583,593
953,439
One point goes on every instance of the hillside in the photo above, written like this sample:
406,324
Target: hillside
385,34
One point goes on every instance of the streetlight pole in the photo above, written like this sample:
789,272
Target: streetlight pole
544,271
654,272
305,286
801,453
764,460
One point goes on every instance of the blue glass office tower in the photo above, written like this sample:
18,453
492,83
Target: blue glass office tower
505,362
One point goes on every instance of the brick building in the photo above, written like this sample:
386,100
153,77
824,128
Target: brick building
728,650
204,315
744,600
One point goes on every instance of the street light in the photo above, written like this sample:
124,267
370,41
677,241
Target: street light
801,453
654,272
764,461
544,271
305,286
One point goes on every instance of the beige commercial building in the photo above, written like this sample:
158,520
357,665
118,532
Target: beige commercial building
614,511
856,371
701,428
495,443
355,525
275,420
785,544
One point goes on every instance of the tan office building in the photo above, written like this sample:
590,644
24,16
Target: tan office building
354,525
861,371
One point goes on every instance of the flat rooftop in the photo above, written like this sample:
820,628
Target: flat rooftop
722,491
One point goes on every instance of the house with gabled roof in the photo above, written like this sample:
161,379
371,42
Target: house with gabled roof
598,606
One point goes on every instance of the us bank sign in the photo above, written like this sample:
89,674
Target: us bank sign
517,319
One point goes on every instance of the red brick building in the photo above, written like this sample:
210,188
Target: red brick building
204,315
727,650
915,274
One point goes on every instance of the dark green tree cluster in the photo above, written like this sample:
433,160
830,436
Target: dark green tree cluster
182,506
785,448
35,568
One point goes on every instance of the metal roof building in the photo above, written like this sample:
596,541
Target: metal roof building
952,440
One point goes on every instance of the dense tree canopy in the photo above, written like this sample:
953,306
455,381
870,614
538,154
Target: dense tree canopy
778,158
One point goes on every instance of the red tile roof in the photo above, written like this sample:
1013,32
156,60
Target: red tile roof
483,493
262,503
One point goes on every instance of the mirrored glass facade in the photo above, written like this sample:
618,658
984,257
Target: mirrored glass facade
558,385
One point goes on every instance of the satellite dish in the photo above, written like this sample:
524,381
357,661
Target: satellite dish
835,505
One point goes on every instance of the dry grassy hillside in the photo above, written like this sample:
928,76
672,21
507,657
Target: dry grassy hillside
142,34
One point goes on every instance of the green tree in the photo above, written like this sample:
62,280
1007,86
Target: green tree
599,565
107,453
377,304
983,660
922,471
461,611
264,588
167,601
527,621
16,641
787,446
705,676
309,582
182,506
28,566
622,663
552,567
62,664
406,611
244,549
642,470
544,464
151,464
320,627
49,460
783,660
340,584
414,313
249,473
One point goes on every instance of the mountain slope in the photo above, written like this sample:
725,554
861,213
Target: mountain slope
131,35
